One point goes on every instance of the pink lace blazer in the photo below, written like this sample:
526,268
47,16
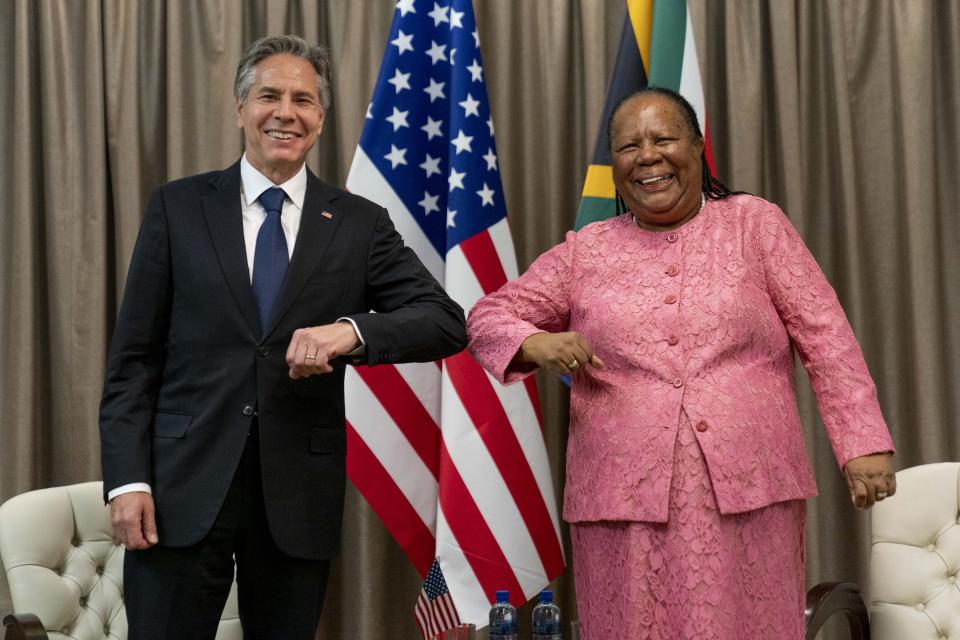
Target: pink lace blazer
697,320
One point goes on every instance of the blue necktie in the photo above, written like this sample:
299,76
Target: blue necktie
270,258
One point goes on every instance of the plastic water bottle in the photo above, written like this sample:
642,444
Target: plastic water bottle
503,618
546,618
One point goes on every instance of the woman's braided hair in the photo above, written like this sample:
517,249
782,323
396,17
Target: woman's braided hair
712,188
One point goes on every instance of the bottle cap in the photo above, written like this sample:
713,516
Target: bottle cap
546,596
503,596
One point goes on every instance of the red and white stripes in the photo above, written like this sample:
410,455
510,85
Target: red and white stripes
453,462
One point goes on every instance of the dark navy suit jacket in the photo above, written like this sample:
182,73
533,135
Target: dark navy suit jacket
190,366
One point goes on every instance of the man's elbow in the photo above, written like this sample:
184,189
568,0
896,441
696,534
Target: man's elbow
455,331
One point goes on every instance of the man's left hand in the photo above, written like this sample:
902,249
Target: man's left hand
870,479
311,349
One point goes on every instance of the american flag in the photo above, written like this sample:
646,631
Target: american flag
452,462
435,611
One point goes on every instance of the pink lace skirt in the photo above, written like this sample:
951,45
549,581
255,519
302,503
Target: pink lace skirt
700,576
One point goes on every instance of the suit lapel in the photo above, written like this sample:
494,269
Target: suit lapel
221,207
313,239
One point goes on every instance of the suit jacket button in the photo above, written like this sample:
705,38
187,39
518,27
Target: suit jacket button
248,410
263,351
702,426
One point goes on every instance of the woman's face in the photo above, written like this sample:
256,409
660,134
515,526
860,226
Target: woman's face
656,161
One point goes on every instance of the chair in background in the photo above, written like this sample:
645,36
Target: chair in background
64,571
914,564
828,599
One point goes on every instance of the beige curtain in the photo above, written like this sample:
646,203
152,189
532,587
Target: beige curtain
845,112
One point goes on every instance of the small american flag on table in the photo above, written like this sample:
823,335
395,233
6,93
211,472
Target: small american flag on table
435,611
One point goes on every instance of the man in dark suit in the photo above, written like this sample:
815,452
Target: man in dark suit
222,419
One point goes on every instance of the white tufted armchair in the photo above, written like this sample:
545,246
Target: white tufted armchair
914,564
63,567
915,558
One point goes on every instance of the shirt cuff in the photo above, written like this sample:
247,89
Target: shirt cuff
360,350
129,488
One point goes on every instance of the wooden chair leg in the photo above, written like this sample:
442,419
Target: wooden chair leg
24,626
829,598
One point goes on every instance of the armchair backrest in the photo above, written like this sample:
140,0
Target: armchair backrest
915,557
63,566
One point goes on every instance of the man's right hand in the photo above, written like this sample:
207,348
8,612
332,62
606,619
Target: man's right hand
133,520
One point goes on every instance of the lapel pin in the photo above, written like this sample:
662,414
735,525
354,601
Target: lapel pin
327,215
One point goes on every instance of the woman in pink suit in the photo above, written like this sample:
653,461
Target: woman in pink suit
686,470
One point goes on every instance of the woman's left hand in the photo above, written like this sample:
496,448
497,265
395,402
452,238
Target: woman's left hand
870,478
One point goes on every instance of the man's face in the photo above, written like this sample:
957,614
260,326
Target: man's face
281,116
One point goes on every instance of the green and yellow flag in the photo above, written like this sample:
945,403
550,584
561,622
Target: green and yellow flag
656,49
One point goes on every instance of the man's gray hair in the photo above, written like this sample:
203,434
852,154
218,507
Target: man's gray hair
291,45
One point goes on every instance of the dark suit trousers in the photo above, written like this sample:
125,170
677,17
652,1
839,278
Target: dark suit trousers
179,593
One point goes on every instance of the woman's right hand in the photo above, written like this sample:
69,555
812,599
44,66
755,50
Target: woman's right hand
561,352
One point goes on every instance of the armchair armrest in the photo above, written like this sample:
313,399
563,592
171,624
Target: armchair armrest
829,598
23,626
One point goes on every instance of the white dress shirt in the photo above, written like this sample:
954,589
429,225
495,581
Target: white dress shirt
254,183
